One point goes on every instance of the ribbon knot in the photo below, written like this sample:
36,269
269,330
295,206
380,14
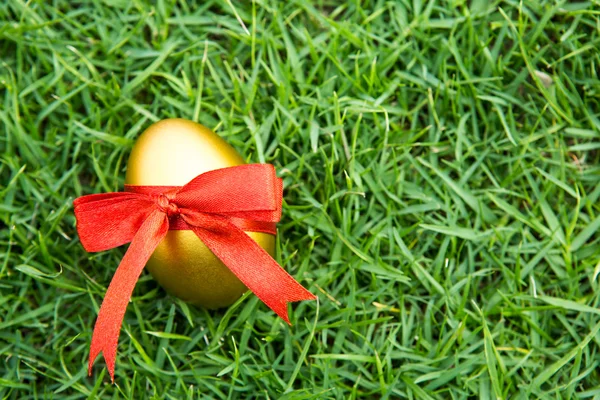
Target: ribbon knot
218,206
166,203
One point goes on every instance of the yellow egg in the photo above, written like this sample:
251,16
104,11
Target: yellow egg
171,153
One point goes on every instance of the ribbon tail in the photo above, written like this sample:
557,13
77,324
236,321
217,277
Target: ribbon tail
250,263
110,316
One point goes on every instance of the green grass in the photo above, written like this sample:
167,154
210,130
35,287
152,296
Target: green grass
441,163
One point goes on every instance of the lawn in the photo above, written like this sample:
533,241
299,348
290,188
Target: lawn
441,165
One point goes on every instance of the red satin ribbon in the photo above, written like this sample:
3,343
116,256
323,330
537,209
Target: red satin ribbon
218,206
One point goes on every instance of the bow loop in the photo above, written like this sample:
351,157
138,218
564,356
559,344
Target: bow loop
233,192
109,220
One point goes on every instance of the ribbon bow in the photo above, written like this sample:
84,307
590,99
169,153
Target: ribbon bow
217,206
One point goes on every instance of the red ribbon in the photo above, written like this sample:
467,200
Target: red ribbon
218,206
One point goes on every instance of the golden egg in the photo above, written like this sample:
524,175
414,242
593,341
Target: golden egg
171,153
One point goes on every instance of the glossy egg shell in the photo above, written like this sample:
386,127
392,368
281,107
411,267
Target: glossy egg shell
171,153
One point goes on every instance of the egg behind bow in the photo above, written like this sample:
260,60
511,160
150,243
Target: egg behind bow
171,153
